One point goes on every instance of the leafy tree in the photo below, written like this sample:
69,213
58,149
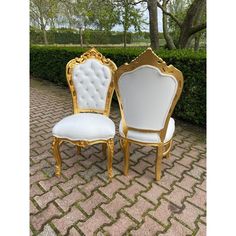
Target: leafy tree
129,16
43,13
188,20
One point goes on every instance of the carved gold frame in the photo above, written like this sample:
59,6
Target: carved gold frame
148,57
107,145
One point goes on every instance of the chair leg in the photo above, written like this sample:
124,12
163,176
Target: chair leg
167,150
104,149
126,154
78,150
110,153
57,156
159,157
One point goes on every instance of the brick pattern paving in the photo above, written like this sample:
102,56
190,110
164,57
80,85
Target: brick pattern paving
83,202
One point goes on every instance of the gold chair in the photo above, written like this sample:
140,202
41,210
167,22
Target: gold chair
91,82
147,91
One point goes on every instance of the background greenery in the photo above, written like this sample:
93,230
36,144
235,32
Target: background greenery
48,62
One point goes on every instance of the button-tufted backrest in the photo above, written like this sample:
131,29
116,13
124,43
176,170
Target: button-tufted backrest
146,95
91,81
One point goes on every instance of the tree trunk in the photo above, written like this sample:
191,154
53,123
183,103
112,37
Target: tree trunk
153,24
168,38
186,30
81,36
125,38
45,36
197,42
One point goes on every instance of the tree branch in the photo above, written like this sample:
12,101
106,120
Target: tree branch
169,14
197,28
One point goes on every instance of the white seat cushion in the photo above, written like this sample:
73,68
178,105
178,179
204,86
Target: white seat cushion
149,137
85,126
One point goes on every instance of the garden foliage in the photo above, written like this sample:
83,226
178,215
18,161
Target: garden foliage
49,63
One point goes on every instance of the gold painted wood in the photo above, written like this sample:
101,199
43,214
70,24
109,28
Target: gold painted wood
110,153
91,54
56,153
158,161
148,57
126,154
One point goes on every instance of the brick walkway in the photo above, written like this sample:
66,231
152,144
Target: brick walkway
83,202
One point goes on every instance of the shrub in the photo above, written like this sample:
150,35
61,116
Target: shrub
49,63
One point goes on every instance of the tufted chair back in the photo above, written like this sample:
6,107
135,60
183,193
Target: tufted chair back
90,78
147,90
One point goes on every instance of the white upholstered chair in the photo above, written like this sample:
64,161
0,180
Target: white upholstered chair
91,82
147,91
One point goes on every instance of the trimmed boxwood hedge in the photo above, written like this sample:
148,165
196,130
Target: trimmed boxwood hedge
48,62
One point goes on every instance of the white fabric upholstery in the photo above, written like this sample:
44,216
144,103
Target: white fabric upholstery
146,96
85,126
91,81
149,137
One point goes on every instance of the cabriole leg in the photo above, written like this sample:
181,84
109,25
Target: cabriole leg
110,153
159,157
57,156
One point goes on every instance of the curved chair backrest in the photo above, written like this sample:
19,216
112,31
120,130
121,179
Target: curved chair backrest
90,78
147,90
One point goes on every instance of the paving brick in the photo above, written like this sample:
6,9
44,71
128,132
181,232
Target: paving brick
167,180
74,232
47,197
184,171
70,184
126,179
177,196
199,199
186,161
149,227
187,183
112,188
138,209
164,211
91,172
33,209
132,191
189,215
68,220
177,170
35,190
49,183
91,186
120,226
113,207
154,193
76,168
90,203
47,231
141,166
38,166
202,230
95,222
44,216
37,177
176,228
194,153
197,172
66,202
202,186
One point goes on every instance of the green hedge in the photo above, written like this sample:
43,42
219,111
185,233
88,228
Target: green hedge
49,63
